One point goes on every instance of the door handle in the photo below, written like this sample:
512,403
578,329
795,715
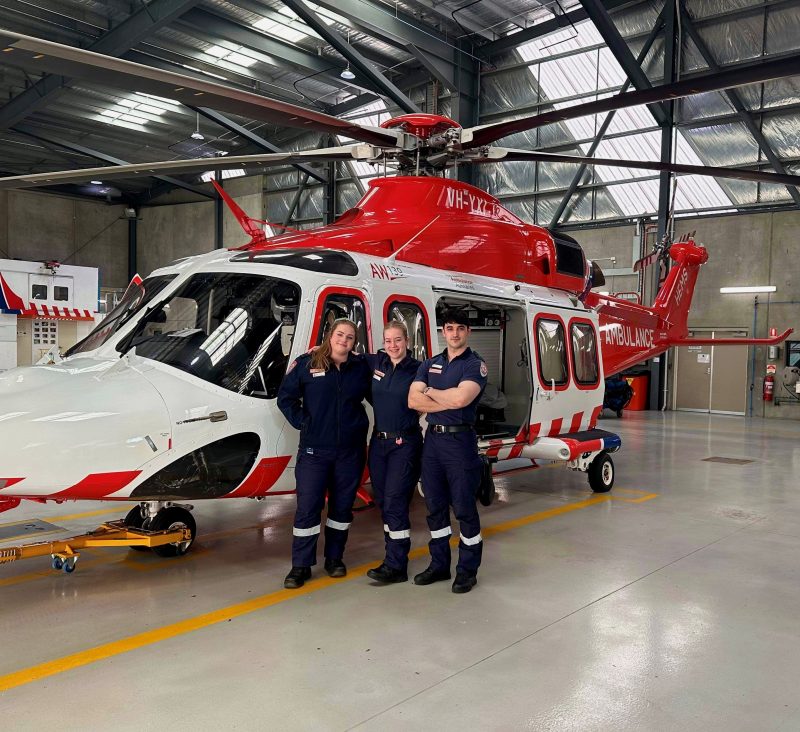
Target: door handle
213,417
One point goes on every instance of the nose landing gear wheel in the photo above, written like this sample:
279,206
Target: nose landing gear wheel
601,473
173,517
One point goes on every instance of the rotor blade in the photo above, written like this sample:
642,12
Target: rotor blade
56,58
497,154
645,261
196,165
777,69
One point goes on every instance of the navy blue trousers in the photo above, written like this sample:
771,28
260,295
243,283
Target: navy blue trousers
394,470
318,472
451,474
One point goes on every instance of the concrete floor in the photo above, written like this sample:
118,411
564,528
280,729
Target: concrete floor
671,603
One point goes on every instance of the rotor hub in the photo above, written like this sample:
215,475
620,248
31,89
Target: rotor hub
423,126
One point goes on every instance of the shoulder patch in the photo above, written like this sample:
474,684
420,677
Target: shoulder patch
484,370
291,366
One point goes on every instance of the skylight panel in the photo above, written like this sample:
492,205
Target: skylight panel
282,30
134,111
585,73
231,55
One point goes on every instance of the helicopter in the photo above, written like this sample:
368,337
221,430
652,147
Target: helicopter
172,397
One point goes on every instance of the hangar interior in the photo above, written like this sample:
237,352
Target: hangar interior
669,602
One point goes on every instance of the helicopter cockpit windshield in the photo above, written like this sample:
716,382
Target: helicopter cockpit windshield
233,330
133,300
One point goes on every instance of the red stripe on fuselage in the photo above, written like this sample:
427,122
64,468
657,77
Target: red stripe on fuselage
8,482
595,415
555,427
262,478
98,485
575,425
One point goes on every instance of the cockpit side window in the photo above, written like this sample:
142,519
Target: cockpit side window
233,330
345,306
135,298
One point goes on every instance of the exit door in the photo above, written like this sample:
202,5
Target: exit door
711,378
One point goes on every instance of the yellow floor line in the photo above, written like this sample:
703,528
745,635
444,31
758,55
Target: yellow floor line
114,648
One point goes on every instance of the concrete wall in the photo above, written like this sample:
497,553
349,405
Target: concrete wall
749,249
173,231
38,226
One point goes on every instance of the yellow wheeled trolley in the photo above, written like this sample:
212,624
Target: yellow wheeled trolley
64,553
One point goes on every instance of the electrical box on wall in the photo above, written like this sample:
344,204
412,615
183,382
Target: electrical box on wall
773,352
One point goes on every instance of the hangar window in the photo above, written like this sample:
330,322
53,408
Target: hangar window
135,298
584,353
552,351
38,292
60,293
230,329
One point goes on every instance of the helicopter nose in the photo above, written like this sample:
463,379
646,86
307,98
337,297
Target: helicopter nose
82,428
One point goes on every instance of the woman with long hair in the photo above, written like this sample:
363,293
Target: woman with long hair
322,396
395,448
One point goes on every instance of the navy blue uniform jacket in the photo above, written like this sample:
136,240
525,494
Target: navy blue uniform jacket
390,385
440,373
326,406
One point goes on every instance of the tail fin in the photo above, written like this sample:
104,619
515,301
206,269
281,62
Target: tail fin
675,296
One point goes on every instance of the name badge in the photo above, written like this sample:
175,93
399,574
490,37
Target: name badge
317,372
378,375
436,368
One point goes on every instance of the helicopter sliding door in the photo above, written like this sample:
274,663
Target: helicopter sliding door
566,370
498,334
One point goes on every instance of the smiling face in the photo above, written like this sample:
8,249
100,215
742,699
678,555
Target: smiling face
455,335
395,344
343,339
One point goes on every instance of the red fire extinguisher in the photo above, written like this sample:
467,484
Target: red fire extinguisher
769,387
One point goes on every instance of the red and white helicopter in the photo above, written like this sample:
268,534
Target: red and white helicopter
172,397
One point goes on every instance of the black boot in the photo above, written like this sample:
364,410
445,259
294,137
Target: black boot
297,577
335,568
464,583
431,575
387,575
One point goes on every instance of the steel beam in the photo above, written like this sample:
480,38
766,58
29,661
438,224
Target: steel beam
559,20
355,59
83,150
736,101
125,36
252,137
269,50
133,251
617,45
293,204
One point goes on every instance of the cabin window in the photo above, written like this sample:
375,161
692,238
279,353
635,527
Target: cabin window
584,353
552,347
413,318
233,330
345,306
135,298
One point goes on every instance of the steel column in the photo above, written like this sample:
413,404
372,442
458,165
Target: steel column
133,253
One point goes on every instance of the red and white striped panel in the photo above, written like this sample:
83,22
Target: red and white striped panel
52,312
578,422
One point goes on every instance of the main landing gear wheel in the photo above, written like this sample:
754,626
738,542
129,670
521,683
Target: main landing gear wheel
173,517
601,473
136,520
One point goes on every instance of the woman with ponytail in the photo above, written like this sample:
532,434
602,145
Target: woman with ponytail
322,396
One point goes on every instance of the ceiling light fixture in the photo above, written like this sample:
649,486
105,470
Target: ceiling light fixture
197,135
746,289
347,74
96,182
